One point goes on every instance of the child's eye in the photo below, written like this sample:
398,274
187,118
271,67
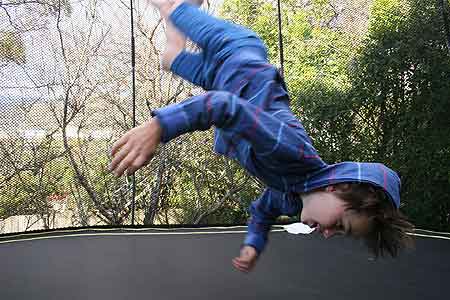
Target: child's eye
339,226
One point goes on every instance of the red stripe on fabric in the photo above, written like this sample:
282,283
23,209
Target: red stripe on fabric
208,103
311,156
209,107
230,145
384,176
303,155
231,148
255,122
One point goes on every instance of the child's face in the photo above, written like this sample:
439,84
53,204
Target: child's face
327,212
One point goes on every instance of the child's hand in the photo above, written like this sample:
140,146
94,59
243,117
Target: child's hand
247,259
135,148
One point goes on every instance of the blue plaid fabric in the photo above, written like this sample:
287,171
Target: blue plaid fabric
248,104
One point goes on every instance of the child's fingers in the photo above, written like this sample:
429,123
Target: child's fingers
119,157
242,269
238,263
137,163
125,163
118,144
241,265
243,260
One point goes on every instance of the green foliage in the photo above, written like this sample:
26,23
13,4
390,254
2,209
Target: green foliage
389,16
401,89
35,170
316,54
31,172
256,14
384,99
12,47
204,179
316,60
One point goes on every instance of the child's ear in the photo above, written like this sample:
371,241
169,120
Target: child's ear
343,187
330,188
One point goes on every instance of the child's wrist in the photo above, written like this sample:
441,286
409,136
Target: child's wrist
155,124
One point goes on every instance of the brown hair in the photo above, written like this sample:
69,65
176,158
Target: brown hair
389,228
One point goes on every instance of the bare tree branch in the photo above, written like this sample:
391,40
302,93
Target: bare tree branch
6,4
60,33
9,18
219,203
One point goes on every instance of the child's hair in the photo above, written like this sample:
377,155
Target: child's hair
389,229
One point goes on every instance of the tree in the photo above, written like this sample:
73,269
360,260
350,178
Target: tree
86,103
12,48
32,172
209,188
33,15
379,95
400,90
317,52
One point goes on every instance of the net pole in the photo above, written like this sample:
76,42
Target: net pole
280,39
133,83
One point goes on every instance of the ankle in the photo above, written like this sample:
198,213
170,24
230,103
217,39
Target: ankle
168,7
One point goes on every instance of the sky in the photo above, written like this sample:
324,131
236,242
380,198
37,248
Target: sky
43,53
38,80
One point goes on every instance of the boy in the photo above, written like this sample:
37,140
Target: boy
248,104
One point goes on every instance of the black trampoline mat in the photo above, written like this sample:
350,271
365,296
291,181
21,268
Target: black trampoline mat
178,264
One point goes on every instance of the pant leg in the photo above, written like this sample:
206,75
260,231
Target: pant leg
190,66
215,36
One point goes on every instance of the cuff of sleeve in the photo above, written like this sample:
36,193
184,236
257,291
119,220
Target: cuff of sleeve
173,121
256,241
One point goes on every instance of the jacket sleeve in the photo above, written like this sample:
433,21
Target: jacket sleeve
225,110
263,213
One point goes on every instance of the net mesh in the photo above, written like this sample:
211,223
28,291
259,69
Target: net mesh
66,96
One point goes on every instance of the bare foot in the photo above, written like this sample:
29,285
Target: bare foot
159,4
163,3
175,40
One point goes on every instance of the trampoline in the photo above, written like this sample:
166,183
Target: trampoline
196,264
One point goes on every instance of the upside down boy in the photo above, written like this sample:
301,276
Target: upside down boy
246,100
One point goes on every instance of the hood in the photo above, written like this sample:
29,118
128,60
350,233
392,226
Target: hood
374,173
